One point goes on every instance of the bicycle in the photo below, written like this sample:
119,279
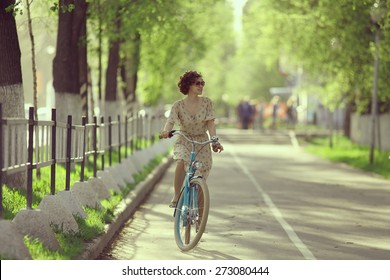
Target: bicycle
192,208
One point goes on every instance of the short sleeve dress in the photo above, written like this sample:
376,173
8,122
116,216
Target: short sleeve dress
195,127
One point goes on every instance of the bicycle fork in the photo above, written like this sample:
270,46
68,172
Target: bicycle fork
190,211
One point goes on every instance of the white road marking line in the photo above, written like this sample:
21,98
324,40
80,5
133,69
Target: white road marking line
307,254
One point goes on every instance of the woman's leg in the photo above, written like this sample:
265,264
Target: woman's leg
179,177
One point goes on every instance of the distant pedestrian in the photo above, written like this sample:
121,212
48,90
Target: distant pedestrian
245,113
275,108
291,112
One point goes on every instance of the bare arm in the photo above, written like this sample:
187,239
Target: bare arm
212,131
167,128
211,128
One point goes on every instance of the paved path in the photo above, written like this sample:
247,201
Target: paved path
269,201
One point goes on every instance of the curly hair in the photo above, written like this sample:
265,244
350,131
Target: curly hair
187,79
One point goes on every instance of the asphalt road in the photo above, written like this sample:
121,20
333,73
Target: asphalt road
270,200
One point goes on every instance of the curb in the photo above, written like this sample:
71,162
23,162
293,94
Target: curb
125,210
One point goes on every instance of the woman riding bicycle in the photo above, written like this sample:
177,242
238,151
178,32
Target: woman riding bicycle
195,116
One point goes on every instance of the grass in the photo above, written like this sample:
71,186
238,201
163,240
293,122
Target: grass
71,245
344,150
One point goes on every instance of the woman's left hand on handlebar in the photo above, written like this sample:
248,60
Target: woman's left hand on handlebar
217,147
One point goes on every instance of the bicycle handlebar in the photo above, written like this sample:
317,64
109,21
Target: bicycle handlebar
175,132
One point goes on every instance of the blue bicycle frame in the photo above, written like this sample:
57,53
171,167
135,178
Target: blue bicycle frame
189,193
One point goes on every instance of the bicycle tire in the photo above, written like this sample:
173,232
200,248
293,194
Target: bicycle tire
188,230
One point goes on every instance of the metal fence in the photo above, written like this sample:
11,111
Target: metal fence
29,144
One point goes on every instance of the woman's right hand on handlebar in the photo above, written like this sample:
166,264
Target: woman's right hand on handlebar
164,134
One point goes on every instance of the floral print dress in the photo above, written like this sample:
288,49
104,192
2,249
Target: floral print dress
194,127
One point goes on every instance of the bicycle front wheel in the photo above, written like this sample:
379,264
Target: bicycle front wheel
191,215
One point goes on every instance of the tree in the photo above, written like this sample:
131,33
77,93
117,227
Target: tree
333,43
155,43
111,93
33,63
129,71
69,69
11,87
181,39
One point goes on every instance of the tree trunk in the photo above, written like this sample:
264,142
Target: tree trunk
11,87
129,73
347,120
33,58
10,67
111,97
66,64
83,61
34,71
112,72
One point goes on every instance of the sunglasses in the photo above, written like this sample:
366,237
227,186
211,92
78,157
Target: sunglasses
200,83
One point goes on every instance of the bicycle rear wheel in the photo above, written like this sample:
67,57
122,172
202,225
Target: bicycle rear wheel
191,217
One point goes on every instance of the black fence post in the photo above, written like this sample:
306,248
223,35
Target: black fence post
102,136
84,123
68,152
119,139
126,136
53,151
155,129
135,132
133,126
30,152
95,151
150,134
138,129
1,160
109,141
141,133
